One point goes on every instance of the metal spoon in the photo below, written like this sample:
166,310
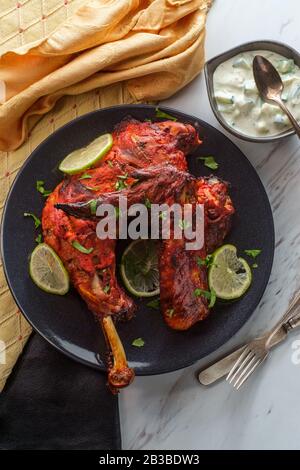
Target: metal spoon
270,86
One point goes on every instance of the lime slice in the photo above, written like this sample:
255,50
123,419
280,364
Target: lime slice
47,271
139,268
84,158
229,276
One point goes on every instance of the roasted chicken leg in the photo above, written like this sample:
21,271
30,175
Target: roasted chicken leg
183,277
183,273
90,261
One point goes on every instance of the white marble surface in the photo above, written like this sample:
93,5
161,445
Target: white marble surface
173,411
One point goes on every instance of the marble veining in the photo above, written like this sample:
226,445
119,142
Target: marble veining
173,411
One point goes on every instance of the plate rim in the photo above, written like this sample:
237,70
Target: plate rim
184,116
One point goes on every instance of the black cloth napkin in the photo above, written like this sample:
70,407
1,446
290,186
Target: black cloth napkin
52,402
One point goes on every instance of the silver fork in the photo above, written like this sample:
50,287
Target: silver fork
257,350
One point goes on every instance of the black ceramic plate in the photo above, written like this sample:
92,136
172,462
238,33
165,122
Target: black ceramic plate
65,321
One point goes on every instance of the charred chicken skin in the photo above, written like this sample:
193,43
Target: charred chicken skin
183,273
213,193
159,184
93,275
137,146
180,279
147,160
181,276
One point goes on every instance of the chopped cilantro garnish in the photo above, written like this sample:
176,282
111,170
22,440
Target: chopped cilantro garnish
93,188
170,312
93,206
213,298
208,261
120,184
123,177
154,304
85,176
209,295
161,114
148,203
138,342
163,215
209,162
201,262
81,248
38,239
252,253
183,224
40,188
37,221
117,212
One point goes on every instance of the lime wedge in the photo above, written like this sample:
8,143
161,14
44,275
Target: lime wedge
139,268
84,158
229,276
47,271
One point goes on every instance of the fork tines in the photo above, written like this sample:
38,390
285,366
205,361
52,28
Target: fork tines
243,368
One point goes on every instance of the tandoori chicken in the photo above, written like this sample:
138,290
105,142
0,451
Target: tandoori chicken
183,273
147,161
90,261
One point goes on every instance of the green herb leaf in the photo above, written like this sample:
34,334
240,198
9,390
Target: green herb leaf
120,184
110,163
148,203
38,239
106,289
85,176
40,188
163,215
201,262
209,295
81,248
200,292
209,162
255,265
183,224
123,177
154,304
161,114
213,298
37,221
253,253
93,206
208,261
170,312
138,342
93,188
117,212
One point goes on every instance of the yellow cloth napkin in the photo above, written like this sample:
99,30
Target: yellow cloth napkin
113,51
154,46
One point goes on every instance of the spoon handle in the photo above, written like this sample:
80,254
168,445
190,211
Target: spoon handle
290,116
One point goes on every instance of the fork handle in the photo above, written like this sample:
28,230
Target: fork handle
221,368
291,319
292,323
